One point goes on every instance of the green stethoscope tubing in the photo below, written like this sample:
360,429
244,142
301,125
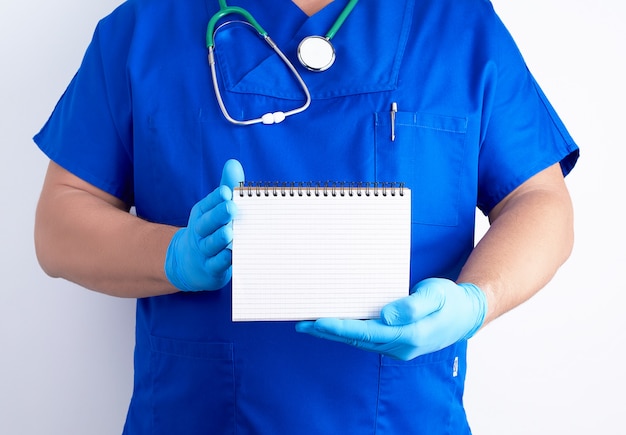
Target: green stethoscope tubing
228,10
340,19
271,117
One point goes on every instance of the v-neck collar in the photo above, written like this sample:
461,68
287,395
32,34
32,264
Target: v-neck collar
369,47
292,1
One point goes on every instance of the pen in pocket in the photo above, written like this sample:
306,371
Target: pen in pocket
394,110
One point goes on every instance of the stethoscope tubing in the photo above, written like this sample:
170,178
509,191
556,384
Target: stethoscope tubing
272,117
228,10
340,19
268,118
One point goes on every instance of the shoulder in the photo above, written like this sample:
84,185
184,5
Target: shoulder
153,11
467,21
467,12
140,23
457,24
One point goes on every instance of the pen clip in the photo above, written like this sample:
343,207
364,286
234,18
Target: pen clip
394,110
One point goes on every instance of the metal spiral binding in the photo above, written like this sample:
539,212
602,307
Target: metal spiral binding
318,188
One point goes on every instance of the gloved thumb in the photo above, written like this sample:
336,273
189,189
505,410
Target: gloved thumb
427,297
232,174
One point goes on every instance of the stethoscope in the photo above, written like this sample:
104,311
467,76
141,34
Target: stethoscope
315,53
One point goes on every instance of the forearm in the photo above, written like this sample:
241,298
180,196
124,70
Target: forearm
99,245
530,237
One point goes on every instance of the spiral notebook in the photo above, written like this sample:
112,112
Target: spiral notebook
310,250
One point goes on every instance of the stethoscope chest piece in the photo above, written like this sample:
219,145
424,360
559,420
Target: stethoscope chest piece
316,53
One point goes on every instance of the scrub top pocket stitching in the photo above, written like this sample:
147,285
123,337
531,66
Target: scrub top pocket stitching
192,349
208,367
427,154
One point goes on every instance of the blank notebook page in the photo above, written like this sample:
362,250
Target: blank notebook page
299,256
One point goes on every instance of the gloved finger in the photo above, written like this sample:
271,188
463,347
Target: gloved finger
220,215
309,327
305,326
331,337
219,240
218,196
351,331
393,347
427,297
219,264
232,174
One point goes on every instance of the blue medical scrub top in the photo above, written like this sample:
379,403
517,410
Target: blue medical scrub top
140,121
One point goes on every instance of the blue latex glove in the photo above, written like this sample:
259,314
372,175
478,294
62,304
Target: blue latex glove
435,315
199,256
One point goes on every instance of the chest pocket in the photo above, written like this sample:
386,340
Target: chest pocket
427,154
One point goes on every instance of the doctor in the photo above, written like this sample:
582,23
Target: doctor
144,126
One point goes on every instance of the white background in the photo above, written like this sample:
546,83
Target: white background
553,366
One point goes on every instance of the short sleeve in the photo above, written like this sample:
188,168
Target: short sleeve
89,131
523,133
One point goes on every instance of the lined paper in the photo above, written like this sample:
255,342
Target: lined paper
300,257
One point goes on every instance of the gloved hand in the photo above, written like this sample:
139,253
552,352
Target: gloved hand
436,314
198,256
